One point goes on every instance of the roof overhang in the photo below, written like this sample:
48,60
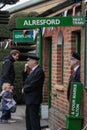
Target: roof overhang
60,7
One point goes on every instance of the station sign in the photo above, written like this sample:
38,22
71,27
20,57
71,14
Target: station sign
39,22
18,36
75,101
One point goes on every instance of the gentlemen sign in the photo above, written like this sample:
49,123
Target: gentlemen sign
39,22
75,101
19,37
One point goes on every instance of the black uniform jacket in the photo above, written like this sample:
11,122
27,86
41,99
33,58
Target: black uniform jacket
8,73
73,78
33,86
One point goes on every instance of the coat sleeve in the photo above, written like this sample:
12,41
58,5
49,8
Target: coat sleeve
24,76
6,69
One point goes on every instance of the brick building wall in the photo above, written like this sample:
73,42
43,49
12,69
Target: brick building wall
59,103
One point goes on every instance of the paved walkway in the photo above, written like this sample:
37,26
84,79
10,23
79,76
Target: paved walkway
19,116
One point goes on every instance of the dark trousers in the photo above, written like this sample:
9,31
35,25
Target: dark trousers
1,82
6,114
33,117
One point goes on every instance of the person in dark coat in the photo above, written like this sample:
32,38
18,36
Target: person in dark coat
33,86
75,73
8,72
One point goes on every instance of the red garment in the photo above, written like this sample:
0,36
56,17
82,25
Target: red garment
73,72
30,72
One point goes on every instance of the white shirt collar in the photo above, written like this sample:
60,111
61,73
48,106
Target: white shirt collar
34,67
76,68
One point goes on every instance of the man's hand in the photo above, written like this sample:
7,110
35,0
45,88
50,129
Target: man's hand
22,90
25,67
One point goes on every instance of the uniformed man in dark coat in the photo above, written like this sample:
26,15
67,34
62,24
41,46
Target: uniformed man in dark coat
33,86
8,72
75,73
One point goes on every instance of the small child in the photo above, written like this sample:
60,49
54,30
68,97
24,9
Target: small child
2,92
7,96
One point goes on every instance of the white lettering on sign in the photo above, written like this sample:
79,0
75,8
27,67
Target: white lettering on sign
74,92
21,36
42,22
78,21
77,110
73,105
73,113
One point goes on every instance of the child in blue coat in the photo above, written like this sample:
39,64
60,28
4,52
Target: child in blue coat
6,97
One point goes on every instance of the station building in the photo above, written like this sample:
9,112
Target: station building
57,44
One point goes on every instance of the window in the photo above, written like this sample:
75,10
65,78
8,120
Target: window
60,59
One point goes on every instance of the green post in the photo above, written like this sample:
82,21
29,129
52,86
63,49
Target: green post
39,46
74,120
40,33
85,55
49,72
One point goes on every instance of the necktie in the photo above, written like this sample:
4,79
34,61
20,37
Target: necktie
73,71
30,71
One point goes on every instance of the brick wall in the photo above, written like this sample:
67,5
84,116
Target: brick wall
59,103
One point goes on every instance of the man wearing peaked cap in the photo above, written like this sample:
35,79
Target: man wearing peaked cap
75,55
33,57
33,87
75,71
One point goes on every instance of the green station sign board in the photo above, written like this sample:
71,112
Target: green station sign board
39,22
75,102
18,36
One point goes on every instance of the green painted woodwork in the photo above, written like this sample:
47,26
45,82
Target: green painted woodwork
49,71
85,56
75,99
74,119
39,46
38,22
73,123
